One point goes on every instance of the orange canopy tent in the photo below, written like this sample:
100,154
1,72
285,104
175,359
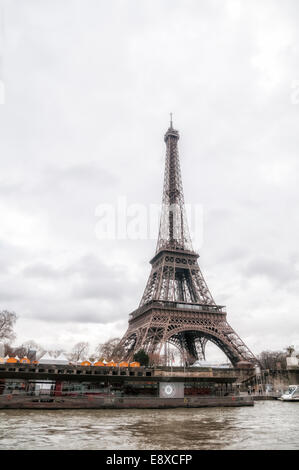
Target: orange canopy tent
12,360
123,364
99,364
25,360
85,363
135,364
111,364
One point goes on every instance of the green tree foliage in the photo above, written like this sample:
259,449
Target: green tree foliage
141,357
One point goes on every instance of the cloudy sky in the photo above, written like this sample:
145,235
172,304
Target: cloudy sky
86,88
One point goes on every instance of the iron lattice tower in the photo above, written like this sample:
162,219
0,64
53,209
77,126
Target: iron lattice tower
177,307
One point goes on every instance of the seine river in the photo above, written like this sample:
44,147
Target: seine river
266,425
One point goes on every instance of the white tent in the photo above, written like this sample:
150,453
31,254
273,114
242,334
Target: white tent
212,365
61,359
47,358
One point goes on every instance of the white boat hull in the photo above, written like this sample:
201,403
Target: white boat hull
288,399
292,394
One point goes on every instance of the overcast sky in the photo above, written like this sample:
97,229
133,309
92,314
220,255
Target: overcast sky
88,87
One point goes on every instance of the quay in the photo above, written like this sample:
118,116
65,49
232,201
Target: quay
95,402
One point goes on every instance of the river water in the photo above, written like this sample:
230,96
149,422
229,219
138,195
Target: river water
266,425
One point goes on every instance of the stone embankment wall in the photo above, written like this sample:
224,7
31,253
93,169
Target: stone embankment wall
279,379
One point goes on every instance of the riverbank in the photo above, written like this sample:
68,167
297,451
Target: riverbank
110,402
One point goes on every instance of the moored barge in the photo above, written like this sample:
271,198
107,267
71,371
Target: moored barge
78,387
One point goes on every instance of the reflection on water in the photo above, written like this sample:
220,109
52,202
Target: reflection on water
267,425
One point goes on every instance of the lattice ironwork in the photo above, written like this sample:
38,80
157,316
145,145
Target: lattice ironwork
177,307
173,232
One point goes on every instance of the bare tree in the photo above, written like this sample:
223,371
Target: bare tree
31,344
156,359
31,349
79,351
7,322
28,348
56,352
11,351
272,359
106,350
8,350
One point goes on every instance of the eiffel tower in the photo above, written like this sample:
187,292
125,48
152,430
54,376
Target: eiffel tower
177,307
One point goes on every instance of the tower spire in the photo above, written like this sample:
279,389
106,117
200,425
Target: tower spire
173,231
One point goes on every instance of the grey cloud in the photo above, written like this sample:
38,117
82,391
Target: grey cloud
83,174
102,281
43,270
86,289
281,271
10,255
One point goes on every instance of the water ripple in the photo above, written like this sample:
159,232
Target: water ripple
267,425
